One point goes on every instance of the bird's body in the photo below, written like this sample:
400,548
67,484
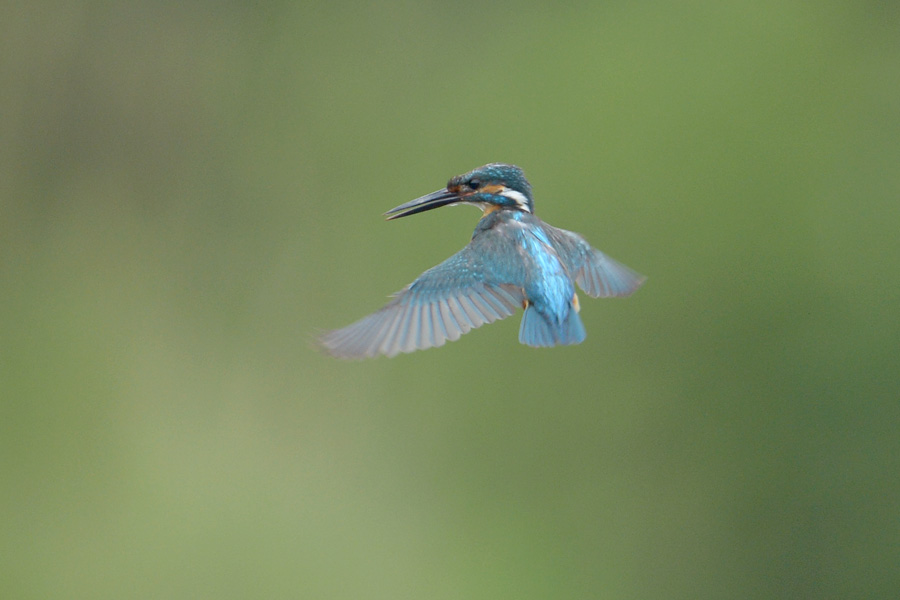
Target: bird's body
513,260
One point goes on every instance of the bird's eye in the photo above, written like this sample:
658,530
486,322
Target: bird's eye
474,184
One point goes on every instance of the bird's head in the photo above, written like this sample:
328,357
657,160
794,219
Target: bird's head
495,186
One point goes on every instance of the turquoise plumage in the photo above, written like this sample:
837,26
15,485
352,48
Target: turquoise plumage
513,260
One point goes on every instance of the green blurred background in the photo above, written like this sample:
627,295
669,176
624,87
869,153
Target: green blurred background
189,191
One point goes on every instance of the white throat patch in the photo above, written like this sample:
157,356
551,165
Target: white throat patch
517,197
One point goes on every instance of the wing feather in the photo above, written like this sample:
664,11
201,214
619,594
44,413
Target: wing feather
426,329
387,335
465,325
444,303
597,274
602,277
451,327
412,328
484,307
494,302
475,317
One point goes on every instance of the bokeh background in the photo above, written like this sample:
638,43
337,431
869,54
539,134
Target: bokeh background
189,191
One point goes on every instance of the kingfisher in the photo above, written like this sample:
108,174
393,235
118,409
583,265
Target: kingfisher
513,260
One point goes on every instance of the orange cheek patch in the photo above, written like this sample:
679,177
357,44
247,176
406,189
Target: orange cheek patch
492,189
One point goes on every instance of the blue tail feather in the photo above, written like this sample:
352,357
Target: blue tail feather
575,332
537,330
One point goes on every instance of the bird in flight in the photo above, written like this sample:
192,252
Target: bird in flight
513,260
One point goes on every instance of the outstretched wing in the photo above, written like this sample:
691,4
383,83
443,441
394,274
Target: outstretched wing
597,274
442,304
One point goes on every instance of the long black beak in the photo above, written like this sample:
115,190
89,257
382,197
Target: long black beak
442,197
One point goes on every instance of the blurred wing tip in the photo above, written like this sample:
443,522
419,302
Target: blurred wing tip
418,319
337,344
603,277
324,343
344,345
634,285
